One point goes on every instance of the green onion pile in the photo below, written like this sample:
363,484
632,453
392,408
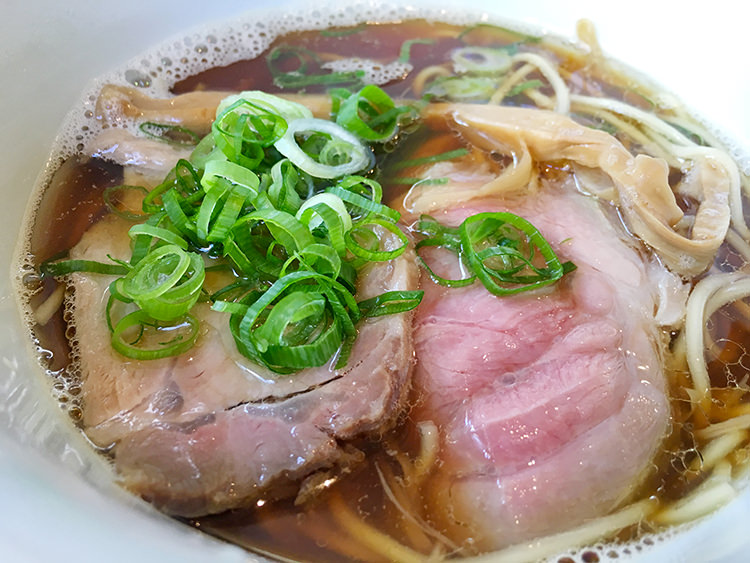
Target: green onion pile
281,201
272,195
501,250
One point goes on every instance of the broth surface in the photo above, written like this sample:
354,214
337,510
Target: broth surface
313,531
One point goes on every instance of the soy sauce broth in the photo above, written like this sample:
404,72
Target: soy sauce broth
312,532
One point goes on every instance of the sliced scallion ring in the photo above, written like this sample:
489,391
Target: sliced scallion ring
438,279
390,302
237,175
286,183
481,60
166,283
254,101
292,241
182,335
359,112
360,157
485,236
373,252
313,213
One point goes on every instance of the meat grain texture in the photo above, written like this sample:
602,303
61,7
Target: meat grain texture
209,431
551,404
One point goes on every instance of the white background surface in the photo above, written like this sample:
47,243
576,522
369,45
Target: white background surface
50,49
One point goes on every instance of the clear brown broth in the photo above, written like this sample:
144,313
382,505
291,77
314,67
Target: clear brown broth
73,203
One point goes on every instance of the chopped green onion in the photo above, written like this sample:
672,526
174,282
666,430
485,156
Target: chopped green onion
288,184
65,267
294,80
184,178
205,151
319,258
235,174
405,51
182,334
168,133
298,75
166,283
241,137
219,211
523,86
157,232
259,103
481,60
359,111
467,88
228,187
440,280
328,209
500,250
363,203
369,252
302,58
338,96
143,239
359,156
303,326
503,260
498,34
390,302
173,207
109,195
255,200
285,228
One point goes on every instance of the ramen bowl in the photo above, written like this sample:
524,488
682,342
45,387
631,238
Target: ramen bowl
60,497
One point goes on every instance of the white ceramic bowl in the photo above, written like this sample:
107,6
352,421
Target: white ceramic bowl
57,501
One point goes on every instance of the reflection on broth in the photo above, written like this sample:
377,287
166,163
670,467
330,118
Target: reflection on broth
606,402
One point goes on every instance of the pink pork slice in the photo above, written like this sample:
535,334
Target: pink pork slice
209,431
551,404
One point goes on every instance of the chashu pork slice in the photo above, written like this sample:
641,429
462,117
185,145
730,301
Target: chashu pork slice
208,430
551,404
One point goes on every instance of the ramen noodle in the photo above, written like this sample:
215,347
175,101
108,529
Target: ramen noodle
337,290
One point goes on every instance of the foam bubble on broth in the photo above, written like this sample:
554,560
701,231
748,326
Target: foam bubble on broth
246,37
375,72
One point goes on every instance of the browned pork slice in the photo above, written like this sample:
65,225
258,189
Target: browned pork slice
208,430
551,404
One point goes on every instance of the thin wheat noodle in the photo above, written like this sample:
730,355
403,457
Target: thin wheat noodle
633,132
409,515
428,450
541,100
509,83
713,493
582,535
562,93
402,499
716,450
372,538
743,309
703,301
718,429
739,244
44,312
427,74
681,146
655,123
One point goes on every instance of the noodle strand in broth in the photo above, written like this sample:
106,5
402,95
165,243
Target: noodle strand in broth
484,120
